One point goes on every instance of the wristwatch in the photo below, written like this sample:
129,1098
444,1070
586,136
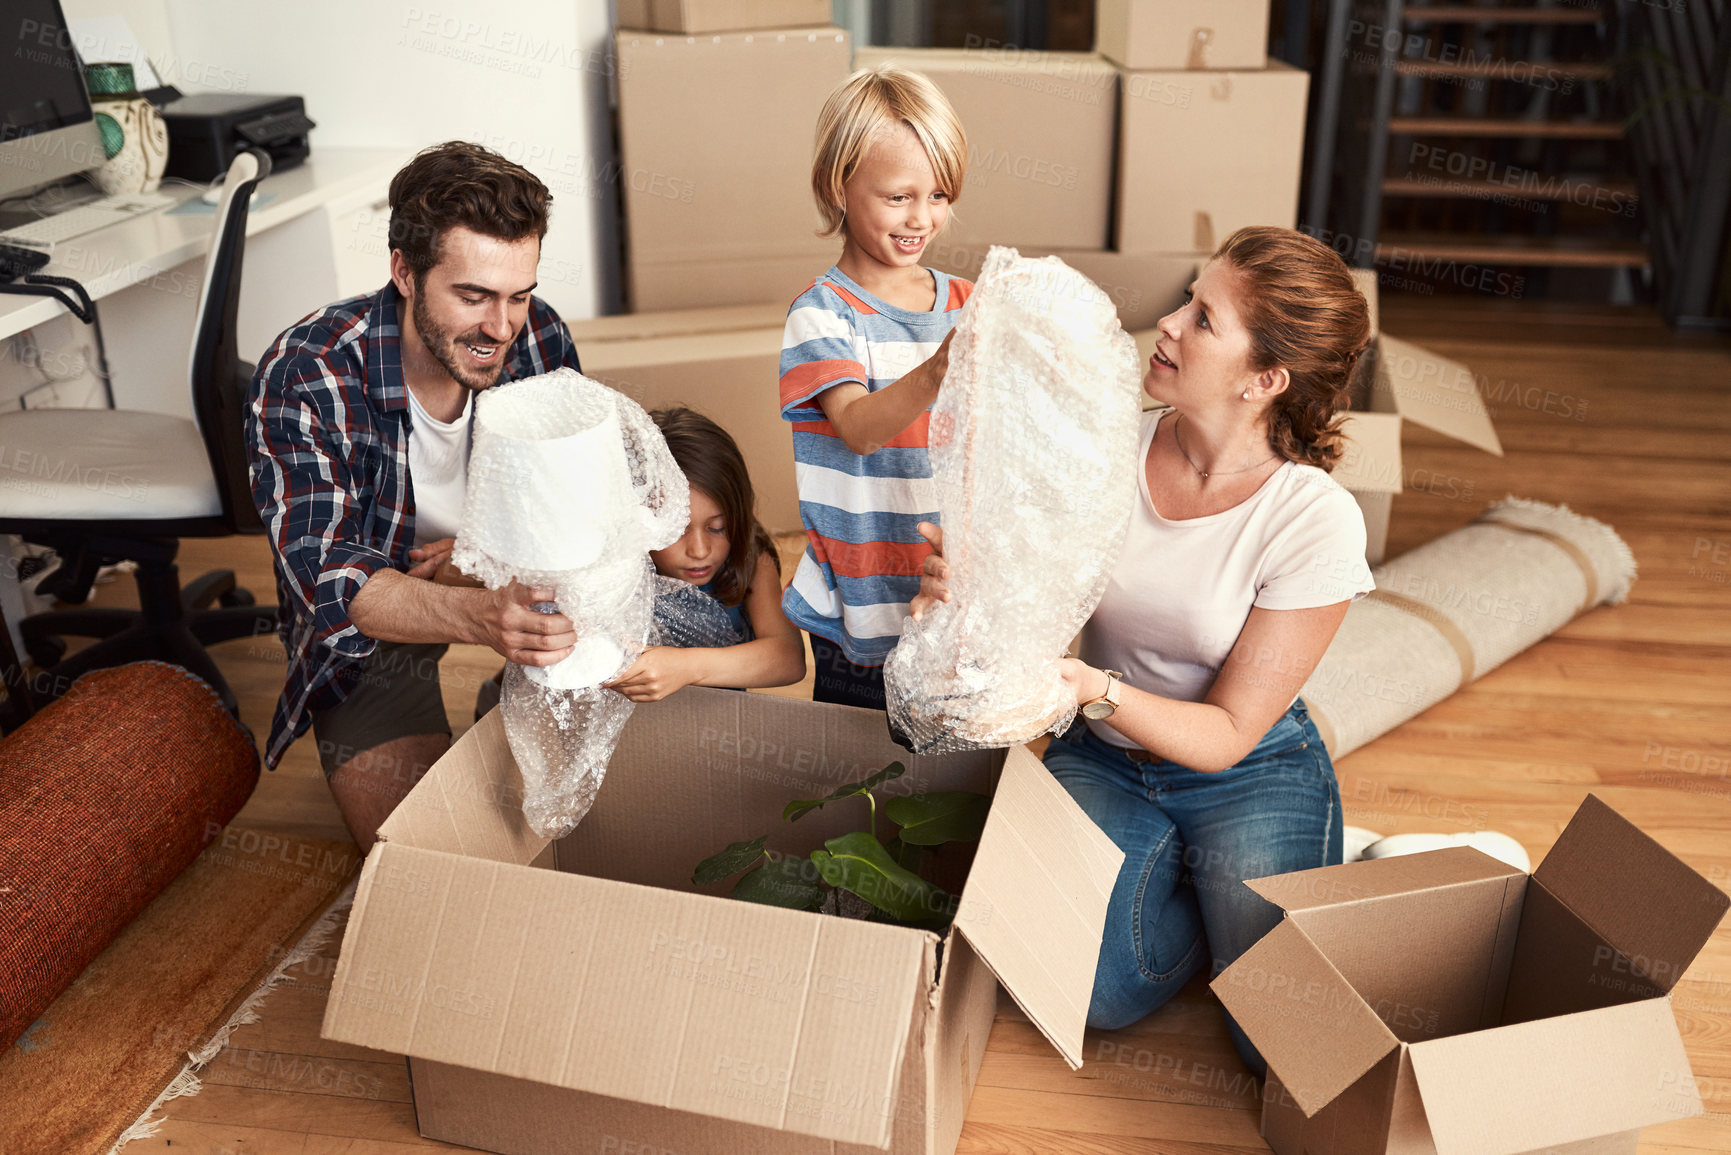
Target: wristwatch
1103,707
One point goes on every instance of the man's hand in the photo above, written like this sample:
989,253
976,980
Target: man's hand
658,672
428,558
505,622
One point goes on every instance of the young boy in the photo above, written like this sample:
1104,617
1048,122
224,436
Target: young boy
862,358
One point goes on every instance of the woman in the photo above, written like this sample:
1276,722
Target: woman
1198,760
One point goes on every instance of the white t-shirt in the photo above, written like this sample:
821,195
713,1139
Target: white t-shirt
438,468
1181,591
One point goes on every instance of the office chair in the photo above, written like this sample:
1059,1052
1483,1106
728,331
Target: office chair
100,486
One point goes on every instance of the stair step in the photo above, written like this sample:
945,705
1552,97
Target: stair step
1506,126
1548,189
1549,252
1499,69
1475,14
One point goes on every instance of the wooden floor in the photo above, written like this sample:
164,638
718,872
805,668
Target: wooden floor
1604,410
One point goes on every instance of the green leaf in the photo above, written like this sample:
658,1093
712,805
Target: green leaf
859,864
945,816
789,882
800,807
730,861
906,853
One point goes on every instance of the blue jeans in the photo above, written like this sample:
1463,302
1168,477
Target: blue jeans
1190,840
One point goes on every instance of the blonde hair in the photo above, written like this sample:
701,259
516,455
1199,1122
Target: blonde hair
869,101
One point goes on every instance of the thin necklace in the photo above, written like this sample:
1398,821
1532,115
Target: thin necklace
1203,473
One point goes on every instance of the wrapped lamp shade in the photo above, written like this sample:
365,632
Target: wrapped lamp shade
570,487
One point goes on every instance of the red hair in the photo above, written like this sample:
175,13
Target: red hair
1305,315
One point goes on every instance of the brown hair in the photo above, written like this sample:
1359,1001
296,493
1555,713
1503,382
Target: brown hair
1307,316
459,183
711,461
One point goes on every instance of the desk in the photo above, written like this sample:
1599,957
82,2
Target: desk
320,238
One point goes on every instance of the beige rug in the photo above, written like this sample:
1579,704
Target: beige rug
165,993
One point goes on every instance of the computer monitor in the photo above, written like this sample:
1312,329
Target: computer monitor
47,131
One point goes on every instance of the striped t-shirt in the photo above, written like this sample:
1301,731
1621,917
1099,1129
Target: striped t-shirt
863,551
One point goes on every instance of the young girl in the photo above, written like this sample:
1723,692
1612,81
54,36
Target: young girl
729,556
863,355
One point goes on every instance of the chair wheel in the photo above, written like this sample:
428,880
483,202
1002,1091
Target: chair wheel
45,652
236,597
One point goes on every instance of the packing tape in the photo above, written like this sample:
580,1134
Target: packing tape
1199,39
1574,551
1451,633
1204,227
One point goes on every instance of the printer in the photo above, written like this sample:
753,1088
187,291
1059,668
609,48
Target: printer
207,130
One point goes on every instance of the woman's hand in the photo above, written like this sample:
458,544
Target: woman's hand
658,672
1084,680
934,573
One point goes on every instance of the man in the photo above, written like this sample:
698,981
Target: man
358,428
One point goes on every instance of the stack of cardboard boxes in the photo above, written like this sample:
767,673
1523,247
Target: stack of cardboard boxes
1132,164
718,100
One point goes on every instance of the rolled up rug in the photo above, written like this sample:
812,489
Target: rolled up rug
1455,608
106,795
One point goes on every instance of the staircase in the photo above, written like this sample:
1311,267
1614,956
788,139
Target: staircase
1496,146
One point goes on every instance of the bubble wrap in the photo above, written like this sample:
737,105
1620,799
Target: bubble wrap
570,487
1033,453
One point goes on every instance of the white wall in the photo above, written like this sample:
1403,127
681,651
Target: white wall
529,78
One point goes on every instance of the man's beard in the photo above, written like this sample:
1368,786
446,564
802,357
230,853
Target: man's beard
443,347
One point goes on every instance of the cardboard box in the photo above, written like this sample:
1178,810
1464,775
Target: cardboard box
1204,153
553,1010
1189,34
1398,381
715,137
1041,136
720,15
1448,1004
1144,286
726,364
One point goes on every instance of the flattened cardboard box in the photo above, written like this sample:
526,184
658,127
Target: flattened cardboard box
1186,34
549,1010
715,138
1448,1004
1201,154
1041,136
725,363
720,15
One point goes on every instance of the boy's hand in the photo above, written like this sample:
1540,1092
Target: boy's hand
428,558
658,672
934,573
938,364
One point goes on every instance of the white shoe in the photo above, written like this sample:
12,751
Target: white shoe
1499,846
1354,842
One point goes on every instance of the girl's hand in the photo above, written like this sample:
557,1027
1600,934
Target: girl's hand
658,672
934,572
428,558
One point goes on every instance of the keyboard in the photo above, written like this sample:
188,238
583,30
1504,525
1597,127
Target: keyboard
87,218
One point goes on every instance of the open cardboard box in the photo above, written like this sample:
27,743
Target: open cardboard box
1398,381
724,363
1448,1004
552,1002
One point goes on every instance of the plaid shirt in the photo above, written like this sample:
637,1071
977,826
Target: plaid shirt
327,429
